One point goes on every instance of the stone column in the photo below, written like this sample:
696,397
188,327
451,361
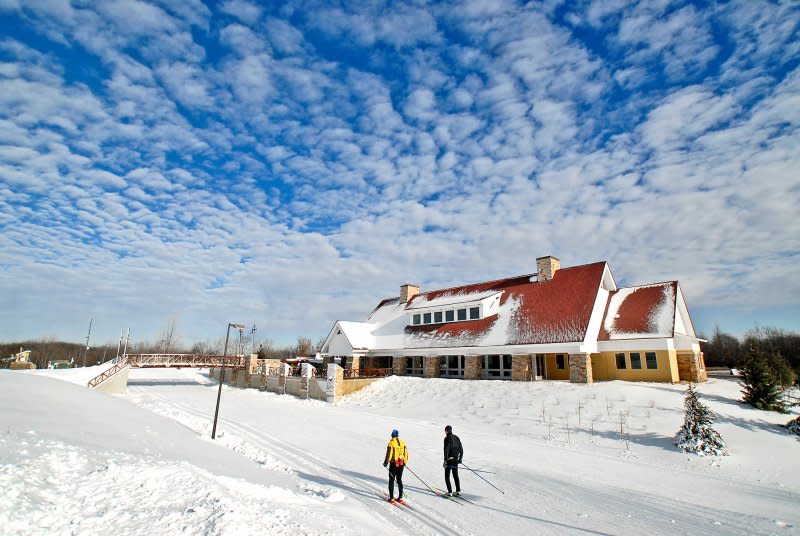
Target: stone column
334,386
580,368
521,369
432,366
356,364
689,367
399,365
472,367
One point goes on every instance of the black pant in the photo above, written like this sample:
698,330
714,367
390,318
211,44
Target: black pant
396,473
454,469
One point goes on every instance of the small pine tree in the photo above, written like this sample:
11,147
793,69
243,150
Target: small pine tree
697,435
761,387
794,426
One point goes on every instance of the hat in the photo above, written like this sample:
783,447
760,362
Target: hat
448,428
395,433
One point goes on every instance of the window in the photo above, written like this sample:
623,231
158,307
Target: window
636,360
452,366
426,318
437,317
462,314
652,362
414,366
496,366
474,313
417,319
621,361
560,361
449,316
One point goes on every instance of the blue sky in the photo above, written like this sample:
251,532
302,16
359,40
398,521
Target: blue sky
287,165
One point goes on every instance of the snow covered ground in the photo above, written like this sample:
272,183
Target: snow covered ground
569,459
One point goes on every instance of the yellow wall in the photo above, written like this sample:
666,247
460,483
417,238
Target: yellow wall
604,367
553,372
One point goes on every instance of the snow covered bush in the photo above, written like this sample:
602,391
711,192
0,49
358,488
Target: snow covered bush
697,434
794,426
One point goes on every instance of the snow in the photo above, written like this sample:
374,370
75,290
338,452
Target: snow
571,459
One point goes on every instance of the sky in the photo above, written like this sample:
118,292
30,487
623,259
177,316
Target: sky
285,165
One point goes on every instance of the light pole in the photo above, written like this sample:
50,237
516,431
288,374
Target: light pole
222,374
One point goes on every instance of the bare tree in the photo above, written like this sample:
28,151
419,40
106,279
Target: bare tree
168,335
304,346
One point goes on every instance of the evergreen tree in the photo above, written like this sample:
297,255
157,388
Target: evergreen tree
697,434
794,426
761,387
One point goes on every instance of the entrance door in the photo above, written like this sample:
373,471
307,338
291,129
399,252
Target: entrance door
538,369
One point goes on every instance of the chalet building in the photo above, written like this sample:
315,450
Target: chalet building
557,324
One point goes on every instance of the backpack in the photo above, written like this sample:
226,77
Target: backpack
400,453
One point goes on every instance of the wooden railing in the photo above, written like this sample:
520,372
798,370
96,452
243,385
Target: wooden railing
368,373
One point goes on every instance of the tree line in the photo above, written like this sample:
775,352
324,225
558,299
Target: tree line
47,350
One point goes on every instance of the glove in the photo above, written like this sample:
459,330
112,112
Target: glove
384,464
444,464
459,460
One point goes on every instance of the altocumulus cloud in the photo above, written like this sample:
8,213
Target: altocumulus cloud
289,166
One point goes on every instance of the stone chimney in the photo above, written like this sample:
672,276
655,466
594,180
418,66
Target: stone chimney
408,291
546,267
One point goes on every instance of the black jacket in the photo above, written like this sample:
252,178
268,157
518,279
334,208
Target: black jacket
453,452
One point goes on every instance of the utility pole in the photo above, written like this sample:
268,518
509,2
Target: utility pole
253,336
87,341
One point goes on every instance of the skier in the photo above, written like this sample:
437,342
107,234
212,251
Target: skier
453,452
396,458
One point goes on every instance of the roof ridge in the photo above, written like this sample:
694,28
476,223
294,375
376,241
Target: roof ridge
506,278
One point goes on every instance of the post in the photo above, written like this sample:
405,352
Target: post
222,376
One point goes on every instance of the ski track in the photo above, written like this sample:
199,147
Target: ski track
415,519
540,496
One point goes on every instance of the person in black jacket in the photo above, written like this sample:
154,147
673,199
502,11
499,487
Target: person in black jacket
453,452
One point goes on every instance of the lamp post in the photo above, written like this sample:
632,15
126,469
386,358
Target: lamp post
222,375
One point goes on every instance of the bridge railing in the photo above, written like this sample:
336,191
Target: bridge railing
184,360
119,363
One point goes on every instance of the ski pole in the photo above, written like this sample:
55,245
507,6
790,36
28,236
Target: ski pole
479,476
423,482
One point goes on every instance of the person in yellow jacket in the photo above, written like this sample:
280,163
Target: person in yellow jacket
396,458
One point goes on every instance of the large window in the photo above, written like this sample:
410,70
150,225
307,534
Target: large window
452,366
652,362
414,366
560,359
496,366
621,362
636,360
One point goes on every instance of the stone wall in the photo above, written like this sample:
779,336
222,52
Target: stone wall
472,367
399,365
580,368
521,368
432,367
691,367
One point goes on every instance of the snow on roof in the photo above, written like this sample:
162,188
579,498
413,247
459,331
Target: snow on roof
640,312
359,334
530,312
445,299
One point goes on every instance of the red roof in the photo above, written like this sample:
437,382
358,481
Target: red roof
645,311
554,311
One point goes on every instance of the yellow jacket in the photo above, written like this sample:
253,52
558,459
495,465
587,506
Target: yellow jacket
396,449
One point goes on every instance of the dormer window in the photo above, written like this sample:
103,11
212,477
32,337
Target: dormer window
462,314
437,317
426,318
474,313
450,316
417,320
